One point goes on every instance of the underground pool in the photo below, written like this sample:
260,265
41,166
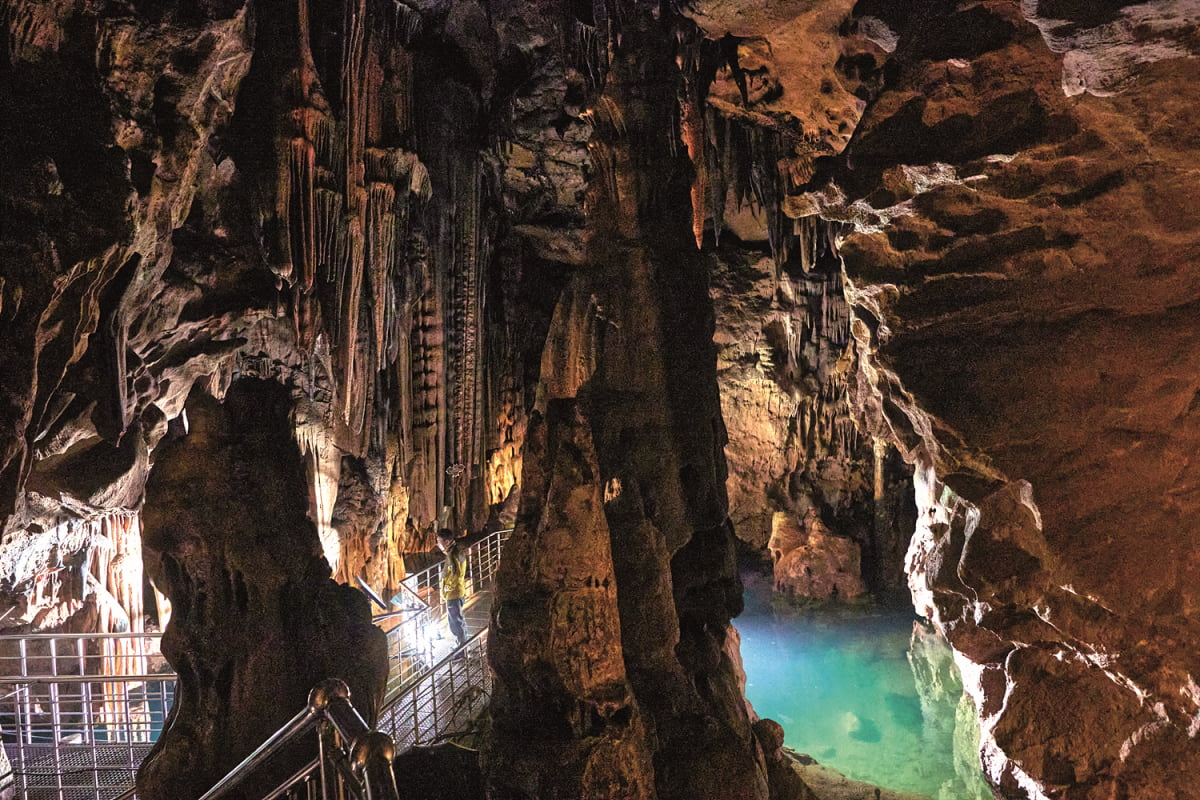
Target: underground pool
871,692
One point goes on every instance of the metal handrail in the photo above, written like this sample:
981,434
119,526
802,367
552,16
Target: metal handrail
411,647
368,752
442,699
35,636
93,677
485,542
299,775
73,700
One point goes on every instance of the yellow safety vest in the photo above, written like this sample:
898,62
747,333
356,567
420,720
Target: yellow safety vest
454,575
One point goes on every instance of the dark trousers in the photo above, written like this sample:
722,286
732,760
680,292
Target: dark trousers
458,625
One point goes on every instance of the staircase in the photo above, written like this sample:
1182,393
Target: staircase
79,712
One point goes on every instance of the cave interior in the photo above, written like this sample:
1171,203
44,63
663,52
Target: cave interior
892,299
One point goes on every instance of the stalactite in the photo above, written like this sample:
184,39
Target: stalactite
692,124
807,240
467,300
715,172
299,211
355,92
381,233
348,316
406,22
315,437
426,380
758,159
329,235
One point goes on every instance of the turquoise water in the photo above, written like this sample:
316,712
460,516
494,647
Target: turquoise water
859,692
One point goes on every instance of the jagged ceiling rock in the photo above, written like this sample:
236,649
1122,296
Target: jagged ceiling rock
790,52
89,191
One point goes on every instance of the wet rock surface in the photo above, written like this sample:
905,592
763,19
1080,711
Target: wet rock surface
1022,317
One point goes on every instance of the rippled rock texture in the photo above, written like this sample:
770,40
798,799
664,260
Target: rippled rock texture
1021,256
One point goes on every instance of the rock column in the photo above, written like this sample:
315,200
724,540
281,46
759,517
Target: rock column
257,620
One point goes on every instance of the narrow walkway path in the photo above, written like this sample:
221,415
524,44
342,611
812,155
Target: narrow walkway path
76,724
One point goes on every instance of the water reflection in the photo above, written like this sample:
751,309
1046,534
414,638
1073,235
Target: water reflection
872,693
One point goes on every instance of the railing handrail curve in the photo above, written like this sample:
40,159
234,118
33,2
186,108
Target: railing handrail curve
370,751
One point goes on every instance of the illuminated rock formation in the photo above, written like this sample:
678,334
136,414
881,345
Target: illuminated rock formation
810,562
612,618
1019,294
955,240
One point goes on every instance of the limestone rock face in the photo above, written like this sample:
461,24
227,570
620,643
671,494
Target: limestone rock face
785,364
567,721
256,619
624,471
810,562
1019,257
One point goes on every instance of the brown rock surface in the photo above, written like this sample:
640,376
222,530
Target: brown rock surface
256,619
785,360
1021,301
632,435
810,562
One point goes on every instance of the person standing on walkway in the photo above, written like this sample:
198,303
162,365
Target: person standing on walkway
454,583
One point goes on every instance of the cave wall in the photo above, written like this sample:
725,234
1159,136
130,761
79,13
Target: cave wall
611,621
786,365
200,195
311,201
1020,254
256,618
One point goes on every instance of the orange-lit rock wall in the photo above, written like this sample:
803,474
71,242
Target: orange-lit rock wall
1021,250
612,612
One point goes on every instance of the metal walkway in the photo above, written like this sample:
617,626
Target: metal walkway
78,713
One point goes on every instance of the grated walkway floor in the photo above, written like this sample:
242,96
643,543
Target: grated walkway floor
75,771
441,702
